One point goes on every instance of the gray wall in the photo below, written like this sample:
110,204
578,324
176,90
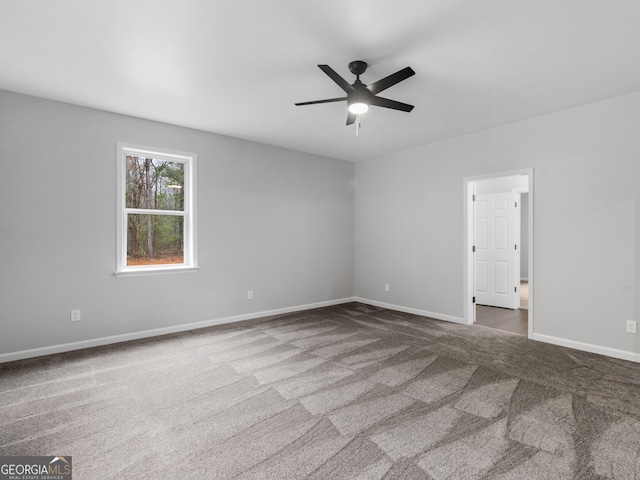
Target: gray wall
282,223
275,221
409,220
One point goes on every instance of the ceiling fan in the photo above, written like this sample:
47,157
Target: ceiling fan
360,96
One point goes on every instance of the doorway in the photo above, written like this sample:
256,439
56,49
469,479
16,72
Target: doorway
498,256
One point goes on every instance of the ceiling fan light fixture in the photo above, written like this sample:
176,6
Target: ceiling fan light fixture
358,108
360,96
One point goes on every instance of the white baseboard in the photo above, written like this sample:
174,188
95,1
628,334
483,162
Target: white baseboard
96,342
588,347
415,311
67,347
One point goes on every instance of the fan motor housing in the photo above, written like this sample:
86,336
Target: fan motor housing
358,67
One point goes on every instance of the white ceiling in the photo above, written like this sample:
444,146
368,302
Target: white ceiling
236,67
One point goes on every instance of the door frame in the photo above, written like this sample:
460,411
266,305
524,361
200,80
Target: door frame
468,287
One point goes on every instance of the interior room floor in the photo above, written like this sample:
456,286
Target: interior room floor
344,392
515,321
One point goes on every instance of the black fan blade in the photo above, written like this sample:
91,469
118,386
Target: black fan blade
328,100
386,103
351,117
391,80
342,83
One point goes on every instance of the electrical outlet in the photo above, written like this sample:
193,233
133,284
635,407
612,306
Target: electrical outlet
632,326
250,294
75,315
386,287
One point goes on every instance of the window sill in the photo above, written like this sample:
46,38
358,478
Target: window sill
145,271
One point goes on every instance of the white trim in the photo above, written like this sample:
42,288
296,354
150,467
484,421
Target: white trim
468,277
467,264
530,251
562,342
415,311
125,337
144,271
67,347
588,347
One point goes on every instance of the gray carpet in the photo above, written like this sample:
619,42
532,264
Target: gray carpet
345,392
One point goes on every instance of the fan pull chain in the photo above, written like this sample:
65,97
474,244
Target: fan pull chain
358,125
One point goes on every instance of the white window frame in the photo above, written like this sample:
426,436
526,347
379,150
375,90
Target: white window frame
189,213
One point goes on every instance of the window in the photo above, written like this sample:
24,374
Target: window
156,211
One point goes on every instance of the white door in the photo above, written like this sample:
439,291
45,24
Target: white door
497,255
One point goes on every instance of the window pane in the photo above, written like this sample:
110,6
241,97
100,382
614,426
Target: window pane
155,239
154,184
